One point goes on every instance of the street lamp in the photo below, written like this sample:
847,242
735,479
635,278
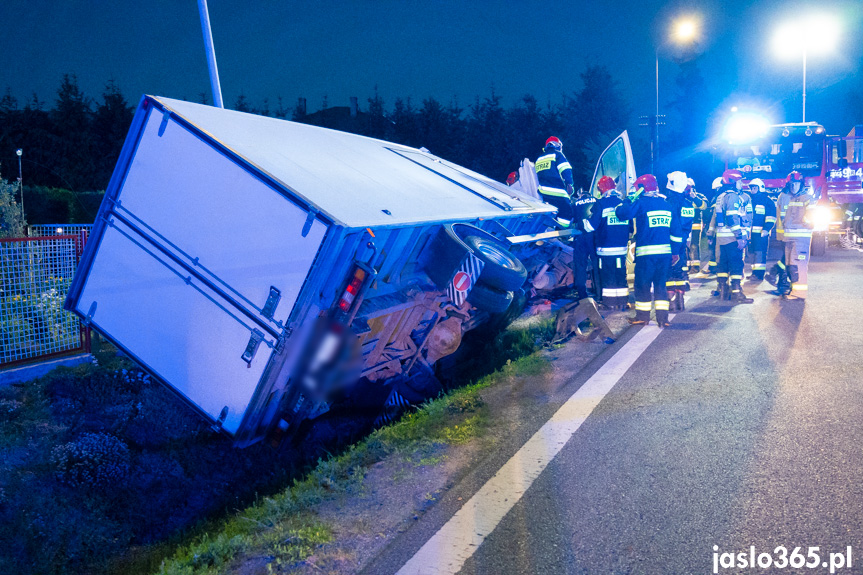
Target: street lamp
683,31
19,152
814,35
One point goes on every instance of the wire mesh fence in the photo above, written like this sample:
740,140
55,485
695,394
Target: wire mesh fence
35,274
39,230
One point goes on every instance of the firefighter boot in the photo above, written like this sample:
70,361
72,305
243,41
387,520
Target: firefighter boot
662,318
681,305
737,295
783,285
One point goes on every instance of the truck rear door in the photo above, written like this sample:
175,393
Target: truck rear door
195,265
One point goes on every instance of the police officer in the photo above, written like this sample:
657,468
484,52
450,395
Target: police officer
683,209
656,248
798,234
730,238
763,220
583,250
611,237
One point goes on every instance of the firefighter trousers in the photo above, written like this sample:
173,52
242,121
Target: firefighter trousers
678,275
651,272
730,264
695,250
612,277
797,264
758,245
713,251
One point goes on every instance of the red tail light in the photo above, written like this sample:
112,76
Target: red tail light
352,290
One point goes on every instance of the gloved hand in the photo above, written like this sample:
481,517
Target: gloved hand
674,259
741,244
633,194
765,233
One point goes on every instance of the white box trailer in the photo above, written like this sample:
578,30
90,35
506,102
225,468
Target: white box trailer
224,237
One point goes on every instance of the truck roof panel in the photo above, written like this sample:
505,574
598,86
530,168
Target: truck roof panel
354,180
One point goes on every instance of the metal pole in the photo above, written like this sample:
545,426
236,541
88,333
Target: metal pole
20,152
211,54
804,84
654,144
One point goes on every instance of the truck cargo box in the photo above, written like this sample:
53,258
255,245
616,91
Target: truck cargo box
224,235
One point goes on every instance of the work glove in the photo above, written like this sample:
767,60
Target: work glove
675,259
741,244
633,194
765,233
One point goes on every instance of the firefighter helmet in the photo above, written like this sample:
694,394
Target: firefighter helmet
511,178
794,176
690,183
756,186
647,182
677,182
605,184
731,176
717,183
555,143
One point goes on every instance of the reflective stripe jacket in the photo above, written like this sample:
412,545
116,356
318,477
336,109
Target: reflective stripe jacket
795,223
726,222
684,209
610,234
746,214
655,225
553,171
764,213
700,204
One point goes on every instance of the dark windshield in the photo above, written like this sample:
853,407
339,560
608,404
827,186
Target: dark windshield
783,149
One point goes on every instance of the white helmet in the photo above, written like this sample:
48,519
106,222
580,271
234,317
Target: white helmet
717,183
691,182
756,183
677,181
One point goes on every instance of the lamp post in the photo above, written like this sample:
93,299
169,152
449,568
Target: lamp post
19,152
816,34
684,31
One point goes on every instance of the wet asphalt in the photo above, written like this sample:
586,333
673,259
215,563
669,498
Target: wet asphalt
740,426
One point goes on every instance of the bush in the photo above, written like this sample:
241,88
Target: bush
92,460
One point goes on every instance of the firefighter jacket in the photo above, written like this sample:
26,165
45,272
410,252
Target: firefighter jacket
553,172
764,214
657,231
683,208
795,221
582,207
727,224
746,214
610,234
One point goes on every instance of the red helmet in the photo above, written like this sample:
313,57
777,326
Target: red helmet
605,183
731,176
794,176
555,143
511,178
648,182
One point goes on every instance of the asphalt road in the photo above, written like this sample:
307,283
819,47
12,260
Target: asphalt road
738,427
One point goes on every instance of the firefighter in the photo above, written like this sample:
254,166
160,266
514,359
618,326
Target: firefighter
763,220
778,274
798,234
682,209
611,237
656,247
700,203
555,180
730,238
710,268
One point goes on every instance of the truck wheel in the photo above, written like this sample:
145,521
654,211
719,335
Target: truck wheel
819,244
502,270
490,299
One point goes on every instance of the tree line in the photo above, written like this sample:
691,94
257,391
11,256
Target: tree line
74,144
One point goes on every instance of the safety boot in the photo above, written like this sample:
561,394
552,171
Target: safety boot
681,304
662,319
737,295
724,292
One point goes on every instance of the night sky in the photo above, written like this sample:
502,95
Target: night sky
267,49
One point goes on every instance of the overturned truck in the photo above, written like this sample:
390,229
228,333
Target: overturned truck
257,267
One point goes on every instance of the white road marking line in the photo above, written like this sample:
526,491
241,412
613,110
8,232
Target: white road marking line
459,538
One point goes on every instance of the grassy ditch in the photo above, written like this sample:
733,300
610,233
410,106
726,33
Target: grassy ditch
104,471
284,529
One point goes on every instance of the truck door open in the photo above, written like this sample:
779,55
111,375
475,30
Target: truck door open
617,163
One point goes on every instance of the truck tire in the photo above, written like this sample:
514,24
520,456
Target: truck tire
819,244
490,299
502,270
443,256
